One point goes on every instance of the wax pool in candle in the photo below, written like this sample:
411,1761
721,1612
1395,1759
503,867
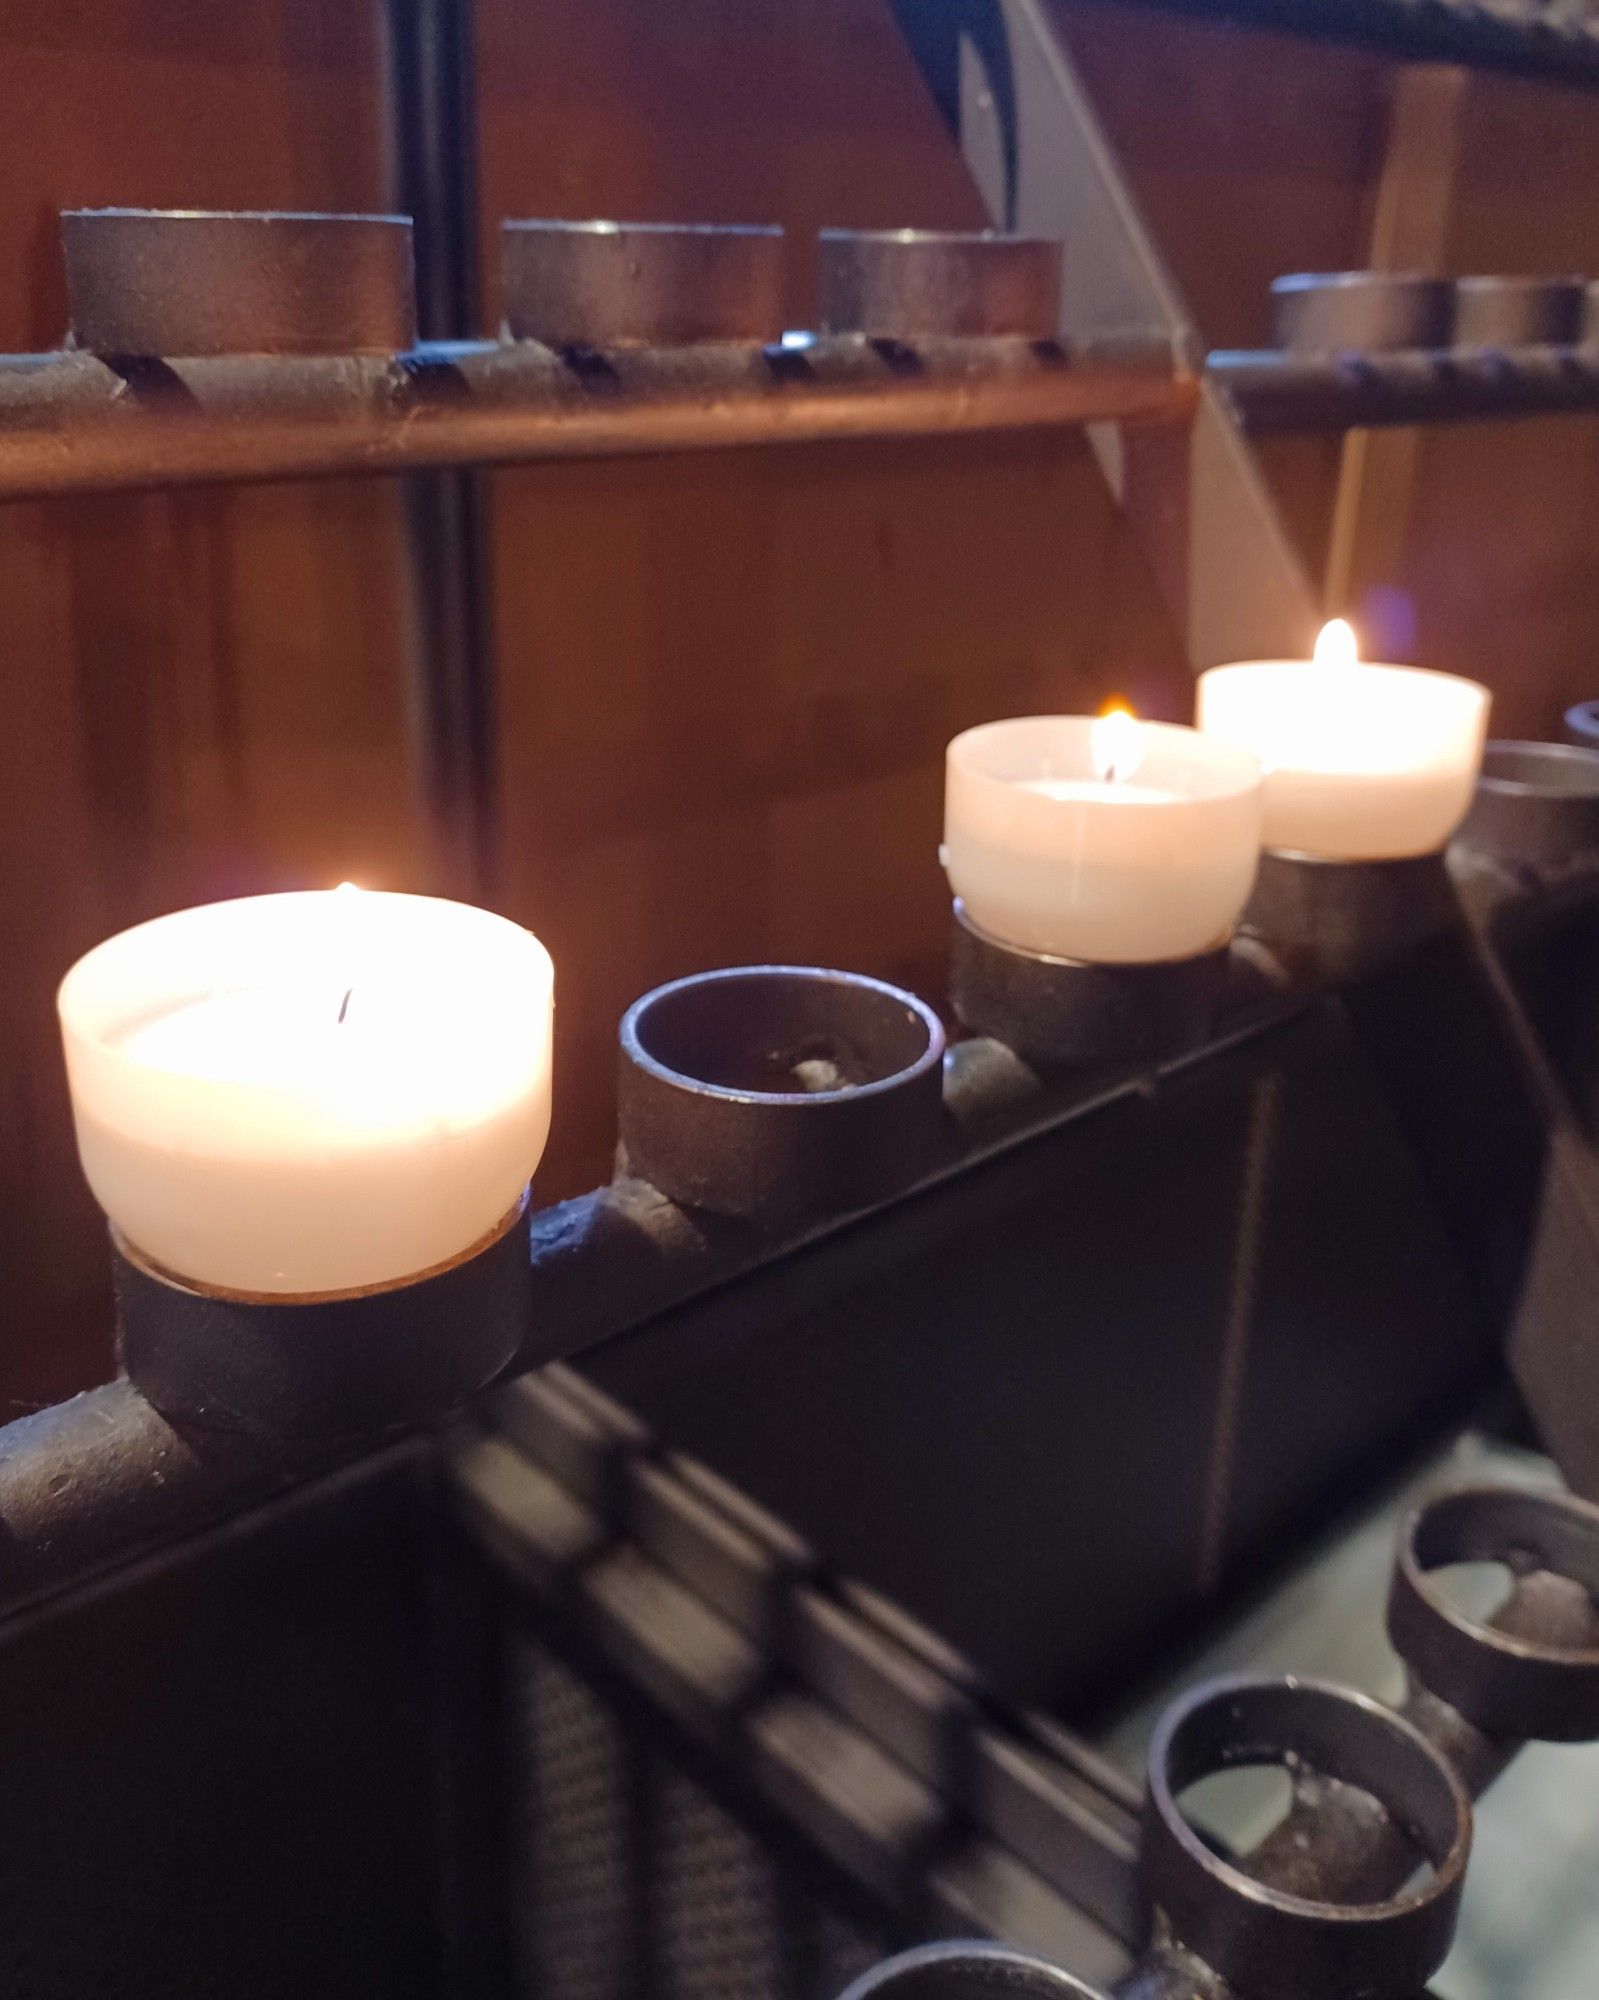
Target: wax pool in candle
1362,762
1105,840
310,1093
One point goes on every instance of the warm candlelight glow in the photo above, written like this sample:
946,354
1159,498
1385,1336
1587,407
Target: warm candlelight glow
1363,762
1336,645
1052,846
1116,745
310,1092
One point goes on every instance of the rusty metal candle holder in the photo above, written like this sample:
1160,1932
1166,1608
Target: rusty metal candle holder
1361,311
1326,922
188,282
622,284
904,284
1518,312
1299,1942
1061,1013
341,1365
1536,810
779,1092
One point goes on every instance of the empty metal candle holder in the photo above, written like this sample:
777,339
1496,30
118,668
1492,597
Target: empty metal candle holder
1527,1676
779,1092
1303,1942
1361,311
627,284
348,1364
1536,809
187,282
1326,922
1518,312
904,284
1062,1013
967,1972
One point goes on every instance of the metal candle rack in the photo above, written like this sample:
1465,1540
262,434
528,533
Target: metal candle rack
771,1110
1329,1904
1371,347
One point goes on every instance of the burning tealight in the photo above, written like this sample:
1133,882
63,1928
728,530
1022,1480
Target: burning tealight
1106,840
310,1093
1363,763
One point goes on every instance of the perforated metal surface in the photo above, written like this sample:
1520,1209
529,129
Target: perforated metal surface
631,1877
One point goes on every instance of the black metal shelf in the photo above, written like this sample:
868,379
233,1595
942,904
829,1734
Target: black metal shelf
73,422
1528,40
1276,392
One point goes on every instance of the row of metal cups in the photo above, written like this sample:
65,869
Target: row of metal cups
1357,1891
773,1096
187,283
774,1093
1320,312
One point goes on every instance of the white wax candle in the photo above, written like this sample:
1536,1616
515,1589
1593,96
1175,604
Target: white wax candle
313,1092
1108,840
1362,762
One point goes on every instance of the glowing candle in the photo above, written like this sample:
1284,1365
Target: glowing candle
310,1093
1362,762
1106,840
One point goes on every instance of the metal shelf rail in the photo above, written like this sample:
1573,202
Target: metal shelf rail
1275,392
72,422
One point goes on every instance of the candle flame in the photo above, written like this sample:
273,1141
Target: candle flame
1336,645
1115,743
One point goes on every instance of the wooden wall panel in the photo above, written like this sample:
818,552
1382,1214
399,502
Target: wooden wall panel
726,683
204,691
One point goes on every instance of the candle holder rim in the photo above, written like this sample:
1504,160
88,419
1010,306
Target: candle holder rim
952,239
514,1217
605,227
1574,757
385,217
1165,1789
633,1047
1298,281
1245,771
1520,281
1058,960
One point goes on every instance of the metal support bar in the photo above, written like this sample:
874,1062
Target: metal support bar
1005,80
70,423
1525,39
1277,392
433,170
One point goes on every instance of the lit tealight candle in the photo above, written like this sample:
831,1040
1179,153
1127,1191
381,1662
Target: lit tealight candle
1363,763
310,1093
1106,840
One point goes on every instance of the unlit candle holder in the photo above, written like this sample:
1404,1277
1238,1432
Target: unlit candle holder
1060,1013
780,1093
910,284
1331,312
344,1365
183,283
629,284
1536,810
1518,312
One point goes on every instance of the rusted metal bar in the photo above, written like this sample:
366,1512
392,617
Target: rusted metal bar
1274,391
71,422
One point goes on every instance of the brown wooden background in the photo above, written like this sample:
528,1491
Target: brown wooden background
724,684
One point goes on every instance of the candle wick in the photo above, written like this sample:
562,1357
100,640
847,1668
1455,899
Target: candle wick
344,1004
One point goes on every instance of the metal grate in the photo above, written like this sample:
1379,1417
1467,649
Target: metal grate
630,1876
